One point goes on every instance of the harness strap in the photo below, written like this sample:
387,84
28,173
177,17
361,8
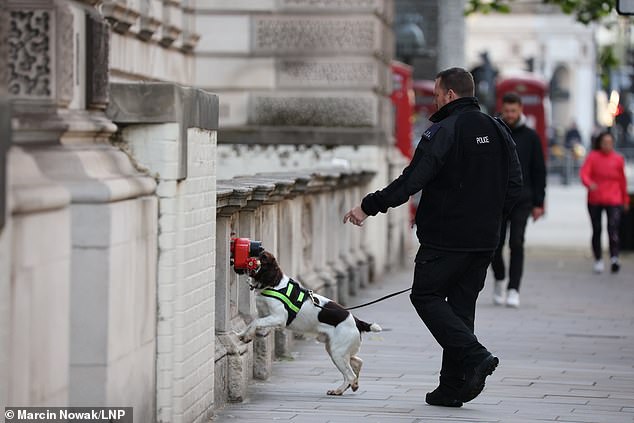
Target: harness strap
292,297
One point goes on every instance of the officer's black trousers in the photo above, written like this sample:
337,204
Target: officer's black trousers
444,292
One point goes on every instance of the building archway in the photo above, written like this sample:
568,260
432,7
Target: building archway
560,99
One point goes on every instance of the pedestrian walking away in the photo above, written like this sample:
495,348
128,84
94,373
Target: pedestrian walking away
530,203
469,175
603,174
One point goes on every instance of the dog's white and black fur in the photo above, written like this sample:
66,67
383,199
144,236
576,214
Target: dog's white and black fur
333,325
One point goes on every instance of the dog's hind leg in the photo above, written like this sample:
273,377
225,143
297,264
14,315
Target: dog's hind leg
355,363
341,359
343,364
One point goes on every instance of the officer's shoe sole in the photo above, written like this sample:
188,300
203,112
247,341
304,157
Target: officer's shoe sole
475,382
436,397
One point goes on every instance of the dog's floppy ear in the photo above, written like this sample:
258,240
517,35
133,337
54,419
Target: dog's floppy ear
266,258
270,273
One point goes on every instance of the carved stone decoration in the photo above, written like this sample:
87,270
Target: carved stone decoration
189,41
41,53
169,34
4,51
316,111
119,15
30,54
311,72
97,47
65,52
307,228
90,2
331,4
288,34
148,27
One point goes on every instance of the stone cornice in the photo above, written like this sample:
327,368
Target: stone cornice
249,192
302,136
163,103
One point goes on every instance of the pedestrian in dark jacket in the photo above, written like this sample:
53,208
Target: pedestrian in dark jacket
531,202
470,177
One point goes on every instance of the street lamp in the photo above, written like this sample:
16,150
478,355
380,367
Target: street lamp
410,40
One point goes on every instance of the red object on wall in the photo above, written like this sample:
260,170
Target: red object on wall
403,102
533,92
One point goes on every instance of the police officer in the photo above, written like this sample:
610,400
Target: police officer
467,168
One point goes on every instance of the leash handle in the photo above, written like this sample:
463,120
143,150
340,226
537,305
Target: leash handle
380,299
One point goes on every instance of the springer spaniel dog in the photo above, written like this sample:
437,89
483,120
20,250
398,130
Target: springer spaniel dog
300,310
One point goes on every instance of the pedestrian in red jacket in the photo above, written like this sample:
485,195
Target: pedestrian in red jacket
603,173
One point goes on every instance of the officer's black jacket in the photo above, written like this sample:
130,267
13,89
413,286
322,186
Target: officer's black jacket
467,168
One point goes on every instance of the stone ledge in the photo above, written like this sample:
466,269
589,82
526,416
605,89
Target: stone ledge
158,102
247,192
272,135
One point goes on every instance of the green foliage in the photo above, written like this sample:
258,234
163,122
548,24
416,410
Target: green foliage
484,6
607,60
585,11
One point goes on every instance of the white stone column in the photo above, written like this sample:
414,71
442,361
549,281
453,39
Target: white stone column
36,281
5,229
110,226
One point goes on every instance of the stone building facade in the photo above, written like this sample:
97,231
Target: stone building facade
143,134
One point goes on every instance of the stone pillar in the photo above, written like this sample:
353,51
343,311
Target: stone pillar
334,272
249,217
233,358
34,243
170,131
62,156
273,342
320,241
347,257
221,293
290,247
5,237
360,240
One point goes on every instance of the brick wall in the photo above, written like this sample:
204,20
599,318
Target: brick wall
186,266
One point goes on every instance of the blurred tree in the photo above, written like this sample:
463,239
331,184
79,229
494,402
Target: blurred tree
607,61
586,11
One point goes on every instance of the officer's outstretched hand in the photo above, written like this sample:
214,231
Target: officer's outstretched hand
356,216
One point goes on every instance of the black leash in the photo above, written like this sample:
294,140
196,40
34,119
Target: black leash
380,299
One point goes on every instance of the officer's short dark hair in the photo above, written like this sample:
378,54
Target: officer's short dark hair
458,80
512,98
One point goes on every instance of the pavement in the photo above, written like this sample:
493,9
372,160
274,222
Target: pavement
566,355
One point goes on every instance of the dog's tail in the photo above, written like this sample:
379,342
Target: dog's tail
367,327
